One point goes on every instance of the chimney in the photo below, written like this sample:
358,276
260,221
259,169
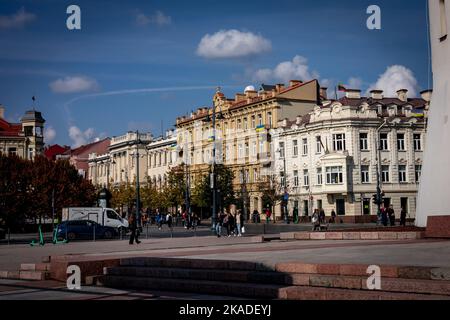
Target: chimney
279,87
251,94
299,119
294,82
263,95
239,97
426,95
376,94
353,93
323,92
402,95
2,111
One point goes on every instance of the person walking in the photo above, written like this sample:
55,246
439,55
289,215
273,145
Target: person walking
132,222
169,220
322,216
384,216
333,216
391,214
219,224
295,215
268,214
316,220
403,217
238,231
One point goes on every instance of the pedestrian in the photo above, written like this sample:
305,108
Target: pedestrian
384,216
333,216
391,214
230,224
316,220
322,216
268,215
169,221
295,215
132,223
219,224
238,224
403,217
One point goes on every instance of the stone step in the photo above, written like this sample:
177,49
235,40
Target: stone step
403,272
193,264
35,267
263,291
279,278
25,275
317,293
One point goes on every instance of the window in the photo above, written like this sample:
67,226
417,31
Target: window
365,174
402,174
305,146
385,173
363,142
254,149
28,131
247,176
12,151
281,150
30,153
418,172
443,20
401,142
318,144
339,142
240,151
306,177
283,179
241,177
245,124
239,124
384,141
253,122
260,122
255,175
319,176
269,119
417,142
246,150
296,181
334,175
261,147
295,148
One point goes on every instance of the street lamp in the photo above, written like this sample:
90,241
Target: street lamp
138,197
213,175
286,194
378,159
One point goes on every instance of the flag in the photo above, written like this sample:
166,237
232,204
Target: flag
33,98
341,87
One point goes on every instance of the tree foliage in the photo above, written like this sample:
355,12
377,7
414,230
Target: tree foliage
28,187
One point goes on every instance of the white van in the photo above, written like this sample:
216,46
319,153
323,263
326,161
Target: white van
103,216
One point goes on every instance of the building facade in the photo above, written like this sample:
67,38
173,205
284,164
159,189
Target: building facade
329,159
118,163
161,157
24,139
433,193
240,134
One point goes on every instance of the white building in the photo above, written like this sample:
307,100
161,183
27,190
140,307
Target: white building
161,156
119,165
434,197
330,155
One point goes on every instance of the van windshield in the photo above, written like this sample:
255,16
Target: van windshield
112,215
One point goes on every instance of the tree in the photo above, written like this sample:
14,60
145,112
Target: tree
271,190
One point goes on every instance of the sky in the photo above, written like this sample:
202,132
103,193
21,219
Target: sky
137,65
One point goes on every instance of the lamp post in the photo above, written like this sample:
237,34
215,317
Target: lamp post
378,157
138,198
285,195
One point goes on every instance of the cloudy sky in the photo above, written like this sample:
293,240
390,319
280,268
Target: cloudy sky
135,65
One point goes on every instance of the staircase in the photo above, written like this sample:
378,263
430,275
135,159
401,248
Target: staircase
291,281
28,271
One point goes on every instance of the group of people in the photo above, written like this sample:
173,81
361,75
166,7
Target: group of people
232,222
387,216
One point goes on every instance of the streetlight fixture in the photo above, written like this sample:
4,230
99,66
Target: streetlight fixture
378,159
286,194
213,175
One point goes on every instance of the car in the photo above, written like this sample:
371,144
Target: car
84,229
2,234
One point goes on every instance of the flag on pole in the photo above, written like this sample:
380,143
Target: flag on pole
341,87
33,98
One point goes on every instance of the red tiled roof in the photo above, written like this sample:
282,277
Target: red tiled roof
10,129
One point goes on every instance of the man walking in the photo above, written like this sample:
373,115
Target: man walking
134,236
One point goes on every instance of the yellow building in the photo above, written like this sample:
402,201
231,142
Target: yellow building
241,137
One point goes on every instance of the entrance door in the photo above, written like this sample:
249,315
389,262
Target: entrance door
340,207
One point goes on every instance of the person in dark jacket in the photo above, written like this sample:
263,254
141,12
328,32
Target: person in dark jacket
391,214
403,217
132,222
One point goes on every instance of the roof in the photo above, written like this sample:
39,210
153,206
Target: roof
86,148
32,115
52,151
415,102
10,129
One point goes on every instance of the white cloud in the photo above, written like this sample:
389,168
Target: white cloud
396,77
158,18
79,137
74,84
297,69
16,20
49,134
232,44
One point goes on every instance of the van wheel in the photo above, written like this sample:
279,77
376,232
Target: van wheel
108,235
71,236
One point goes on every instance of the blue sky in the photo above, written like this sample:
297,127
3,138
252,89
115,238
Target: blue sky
135,64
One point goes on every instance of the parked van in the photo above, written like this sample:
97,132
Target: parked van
104,216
